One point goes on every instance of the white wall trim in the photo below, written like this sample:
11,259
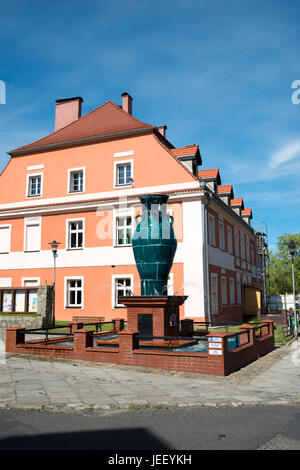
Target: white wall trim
5,281
171,284
35,167
129,153
91,256
193,256
27,278
117,193
218,257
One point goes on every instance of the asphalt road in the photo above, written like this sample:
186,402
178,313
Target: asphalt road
269,427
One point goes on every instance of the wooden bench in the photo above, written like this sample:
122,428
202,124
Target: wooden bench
88,319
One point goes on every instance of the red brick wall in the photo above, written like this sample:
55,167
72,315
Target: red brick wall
217,361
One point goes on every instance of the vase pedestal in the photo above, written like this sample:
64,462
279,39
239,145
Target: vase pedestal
153,315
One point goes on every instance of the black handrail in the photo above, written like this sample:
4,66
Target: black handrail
170,339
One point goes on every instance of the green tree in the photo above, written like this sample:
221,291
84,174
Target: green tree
280,266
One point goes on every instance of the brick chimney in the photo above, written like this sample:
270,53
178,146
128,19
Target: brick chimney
162,130
127,102
67,110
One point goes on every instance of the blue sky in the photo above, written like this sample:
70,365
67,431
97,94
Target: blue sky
219,74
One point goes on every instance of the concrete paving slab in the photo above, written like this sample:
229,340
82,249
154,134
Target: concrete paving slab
40,382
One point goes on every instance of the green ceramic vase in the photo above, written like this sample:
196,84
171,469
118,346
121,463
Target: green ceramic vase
154,244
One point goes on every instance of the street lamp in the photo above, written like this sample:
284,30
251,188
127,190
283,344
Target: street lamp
292,248
54,246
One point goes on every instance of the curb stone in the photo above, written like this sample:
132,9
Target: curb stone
115,408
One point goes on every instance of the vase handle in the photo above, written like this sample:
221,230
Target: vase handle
172,219
137,216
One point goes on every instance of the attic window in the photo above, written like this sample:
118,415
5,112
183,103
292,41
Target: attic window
123,173
76,180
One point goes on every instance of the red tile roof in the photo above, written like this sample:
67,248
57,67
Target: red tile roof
225,189
247,212
107,119
237,202
184,151
204,174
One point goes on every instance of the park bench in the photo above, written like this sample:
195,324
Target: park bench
88,319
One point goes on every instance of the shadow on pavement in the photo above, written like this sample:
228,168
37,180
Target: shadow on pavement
120,439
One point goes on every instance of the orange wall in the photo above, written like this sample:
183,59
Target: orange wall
97,287
153,165
53,226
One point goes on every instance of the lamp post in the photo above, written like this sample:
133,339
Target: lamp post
292,248
54,246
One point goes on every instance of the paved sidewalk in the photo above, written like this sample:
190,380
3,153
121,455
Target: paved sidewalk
38,383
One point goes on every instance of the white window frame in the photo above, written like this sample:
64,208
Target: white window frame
3,226
116,165
34,175
70,172
229,240
32,221
221,235
224,291
243,245
66,296
68,238
239,289
252,253
248,249
114,290
236,243
128,212
232,290
34,279
211,230
215,277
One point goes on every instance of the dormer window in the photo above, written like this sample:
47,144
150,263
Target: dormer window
76,180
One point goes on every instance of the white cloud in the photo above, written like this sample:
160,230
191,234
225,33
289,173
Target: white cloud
287,153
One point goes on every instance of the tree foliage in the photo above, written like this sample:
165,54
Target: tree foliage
280,266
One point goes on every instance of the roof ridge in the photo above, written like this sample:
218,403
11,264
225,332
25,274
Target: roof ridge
82,118
128,114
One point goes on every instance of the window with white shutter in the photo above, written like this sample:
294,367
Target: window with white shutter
32,235
4,238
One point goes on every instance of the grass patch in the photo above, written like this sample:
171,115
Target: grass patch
10,314
278,333
65,329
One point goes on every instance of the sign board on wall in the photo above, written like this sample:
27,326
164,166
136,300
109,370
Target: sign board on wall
215,339
215,345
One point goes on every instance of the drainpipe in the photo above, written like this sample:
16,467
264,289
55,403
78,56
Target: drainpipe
208,195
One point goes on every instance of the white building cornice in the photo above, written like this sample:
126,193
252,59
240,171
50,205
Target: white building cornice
93,201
